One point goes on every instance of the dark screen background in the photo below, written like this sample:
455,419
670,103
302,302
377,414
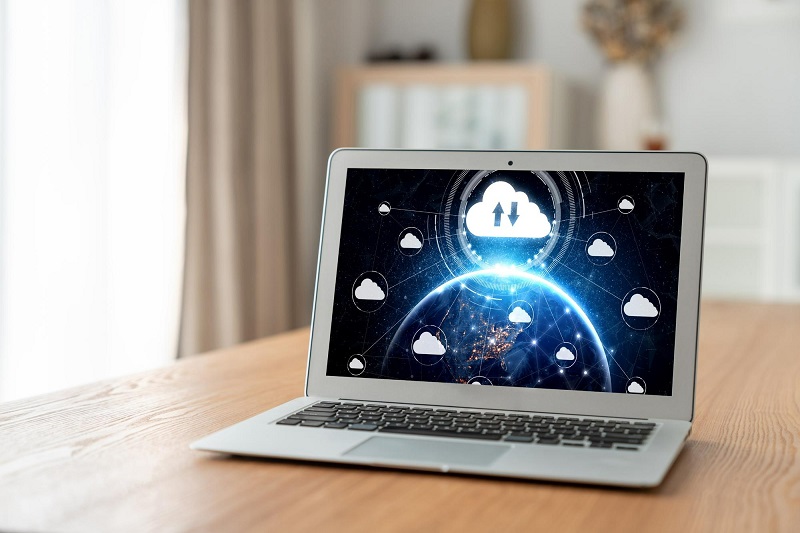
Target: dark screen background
647,243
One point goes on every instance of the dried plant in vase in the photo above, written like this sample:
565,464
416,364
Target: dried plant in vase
632,30
632,34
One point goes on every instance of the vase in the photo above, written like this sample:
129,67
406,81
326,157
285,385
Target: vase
627,106
490,33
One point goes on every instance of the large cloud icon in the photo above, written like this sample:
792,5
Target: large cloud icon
428,344
369,290
410,240
519,315
505,212
564,354
355,364
600,248
638,305
626,205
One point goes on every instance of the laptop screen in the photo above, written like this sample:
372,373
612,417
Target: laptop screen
538,279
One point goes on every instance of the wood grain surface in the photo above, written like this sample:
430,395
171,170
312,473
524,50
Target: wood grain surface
114,456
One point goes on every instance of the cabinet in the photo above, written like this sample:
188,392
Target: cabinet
451,106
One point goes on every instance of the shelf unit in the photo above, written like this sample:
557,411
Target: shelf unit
752,235
439,106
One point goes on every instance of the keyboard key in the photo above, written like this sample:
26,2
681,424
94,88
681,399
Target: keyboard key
518,438
336,425
388,427
314,418
629,448
439,433
363,427
317,412
623,440
311,423
317,407
288,422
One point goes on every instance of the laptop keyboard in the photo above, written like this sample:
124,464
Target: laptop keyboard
470,424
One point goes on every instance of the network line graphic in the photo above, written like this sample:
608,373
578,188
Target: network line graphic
556,280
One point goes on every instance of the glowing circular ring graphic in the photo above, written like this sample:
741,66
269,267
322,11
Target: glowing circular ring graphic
555,197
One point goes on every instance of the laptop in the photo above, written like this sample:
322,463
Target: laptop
500,313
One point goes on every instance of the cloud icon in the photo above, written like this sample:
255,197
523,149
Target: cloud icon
428,344
600,248
519,315
410,240
475,383
564,354
369,290
356,364
626,205
638,305
505,212
635,388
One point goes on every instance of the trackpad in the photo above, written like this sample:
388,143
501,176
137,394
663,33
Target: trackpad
429,451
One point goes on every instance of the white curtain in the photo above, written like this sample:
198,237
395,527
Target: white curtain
92,169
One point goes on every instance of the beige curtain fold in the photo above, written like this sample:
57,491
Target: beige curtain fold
240,282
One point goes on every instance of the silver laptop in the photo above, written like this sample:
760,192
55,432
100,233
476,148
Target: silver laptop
519,314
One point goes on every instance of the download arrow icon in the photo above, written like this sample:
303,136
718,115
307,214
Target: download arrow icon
513,216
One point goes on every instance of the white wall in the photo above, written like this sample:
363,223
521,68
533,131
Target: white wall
729,85
732,84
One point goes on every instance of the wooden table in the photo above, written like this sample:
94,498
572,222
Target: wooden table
114,455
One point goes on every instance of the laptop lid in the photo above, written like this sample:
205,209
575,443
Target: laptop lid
546,281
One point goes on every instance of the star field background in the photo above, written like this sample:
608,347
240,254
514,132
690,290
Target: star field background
647,251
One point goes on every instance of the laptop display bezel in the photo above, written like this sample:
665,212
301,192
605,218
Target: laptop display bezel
680,405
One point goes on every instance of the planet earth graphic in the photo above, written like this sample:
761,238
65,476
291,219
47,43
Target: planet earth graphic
502,328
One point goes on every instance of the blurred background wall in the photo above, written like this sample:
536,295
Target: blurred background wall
728,83
725,85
